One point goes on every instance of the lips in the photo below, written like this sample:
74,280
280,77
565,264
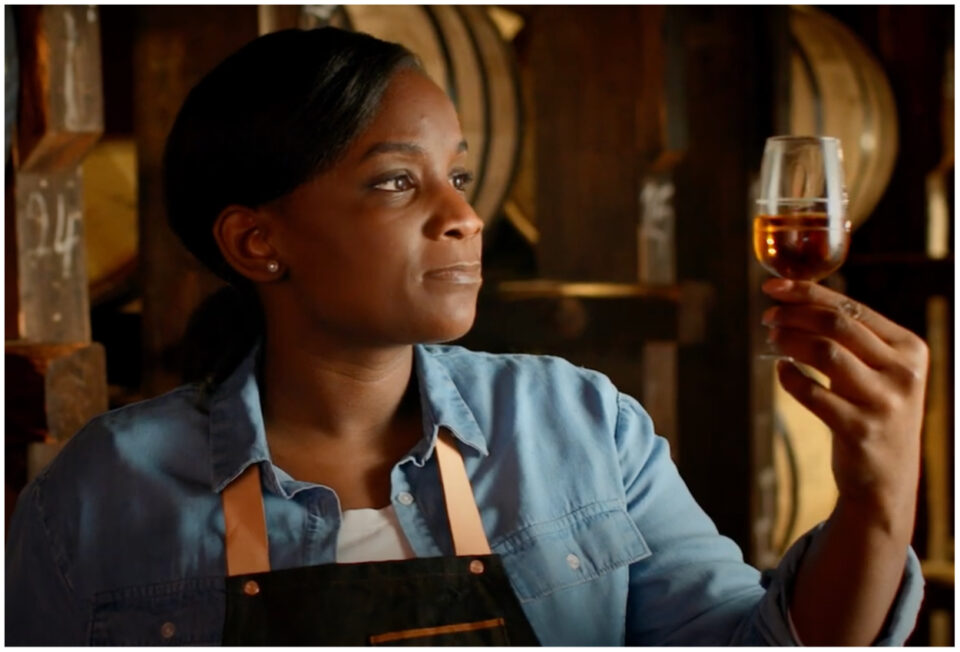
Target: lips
458,273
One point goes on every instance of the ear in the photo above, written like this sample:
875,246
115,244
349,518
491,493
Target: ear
242,236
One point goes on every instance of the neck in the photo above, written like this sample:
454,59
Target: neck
313,390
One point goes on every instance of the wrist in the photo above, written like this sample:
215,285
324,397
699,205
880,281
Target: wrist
889,518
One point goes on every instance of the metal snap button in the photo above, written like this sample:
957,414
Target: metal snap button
167,630
476,567
573,561
251,588
405,498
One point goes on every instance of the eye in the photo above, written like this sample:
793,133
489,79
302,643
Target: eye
461,180
397,183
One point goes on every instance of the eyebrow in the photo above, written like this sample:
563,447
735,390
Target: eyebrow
403,148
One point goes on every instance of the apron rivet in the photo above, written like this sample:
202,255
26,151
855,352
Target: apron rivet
251,588
167,630
476,566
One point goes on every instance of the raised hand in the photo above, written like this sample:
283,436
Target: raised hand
877,371
874,406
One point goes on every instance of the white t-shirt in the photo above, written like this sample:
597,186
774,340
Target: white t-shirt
371,535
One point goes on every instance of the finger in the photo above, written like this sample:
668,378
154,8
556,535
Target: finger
849,376
806,292
839,326
833,410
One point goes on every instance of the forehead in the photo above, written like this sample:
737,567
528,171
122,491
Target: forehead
413,109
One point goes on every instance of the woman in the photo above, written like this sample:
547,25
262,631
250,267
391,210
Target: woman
322,173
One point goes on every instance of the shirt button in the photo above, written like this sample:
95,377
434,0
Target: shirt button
405,498
573,561
167,630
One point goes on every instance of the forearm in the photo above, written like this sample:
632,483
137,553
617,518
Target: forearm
850,576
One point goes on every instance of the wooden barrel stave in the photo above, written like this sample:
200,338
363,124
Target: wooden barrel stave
839,89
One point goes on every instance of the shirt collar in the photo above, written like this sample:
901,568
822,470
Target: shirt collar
443,404
237,434
238,437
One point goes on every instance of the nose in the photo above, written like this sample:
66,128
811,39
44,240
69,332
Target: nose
454,219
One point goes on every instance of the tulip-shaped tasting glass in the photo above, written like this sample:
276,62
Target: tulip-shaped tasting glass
800,229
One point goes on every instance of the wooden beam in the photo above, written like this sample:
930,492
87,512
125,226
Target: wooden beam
60,119
936,435
587,162
61,109
11,326
55,378
53,389
724,81
54,303
273,18
174,48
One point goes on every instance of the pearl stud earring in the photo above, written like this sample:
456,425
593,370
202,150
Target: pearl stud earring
273,266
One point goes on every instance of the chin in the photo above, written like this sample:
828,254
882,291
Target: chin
450,337
448,328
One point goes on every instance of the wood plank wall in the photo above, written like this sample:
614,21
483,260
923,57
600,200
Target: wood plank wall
175,46
727,68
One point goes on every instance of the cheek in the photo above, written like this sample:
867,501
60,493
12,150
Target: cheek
365,262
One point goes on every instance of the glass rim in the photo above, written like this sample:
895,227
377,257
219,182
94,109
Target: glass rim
801,200
816,139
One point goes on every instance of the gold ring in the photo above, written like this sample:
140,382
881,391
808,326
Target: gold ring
851,308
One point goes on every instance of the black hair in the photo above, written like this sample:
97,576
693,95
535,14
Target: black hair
270,117
277,112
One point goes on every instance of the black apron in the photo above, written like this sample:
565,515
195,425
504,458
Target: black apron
461,600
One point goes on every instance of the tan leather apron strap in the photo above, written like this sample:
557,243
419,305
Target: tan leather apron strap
247,548
466,528
246,526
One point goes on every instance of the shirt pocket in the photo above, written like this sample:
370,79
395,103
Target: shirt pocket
185,612
573,549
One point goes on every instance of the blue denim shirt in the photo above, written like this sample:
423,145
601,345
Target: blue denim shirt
120,539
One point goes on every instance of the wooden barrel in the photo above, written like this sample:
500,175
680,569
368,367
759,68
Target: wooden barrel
837,88
110,218
462,51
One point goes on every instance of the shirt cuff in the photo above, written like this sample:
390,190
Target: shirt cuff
775,608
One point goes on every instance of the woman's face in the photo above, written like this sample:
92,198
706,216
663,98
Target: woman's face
383,248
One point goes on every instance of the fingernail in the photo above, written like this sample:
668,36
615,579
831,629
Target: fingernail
769,316
777,285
